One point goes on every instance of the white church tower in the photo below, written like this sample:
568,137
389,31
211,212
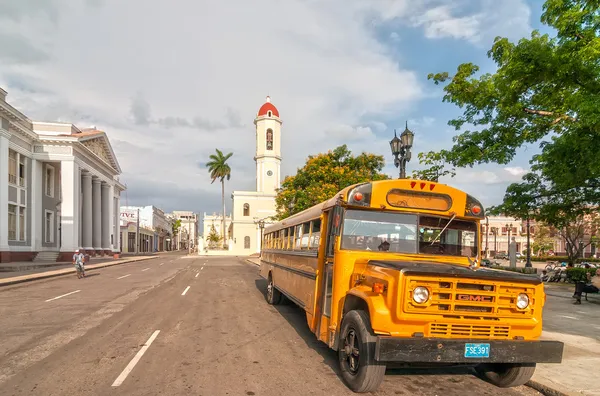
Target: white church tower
253,208
268,148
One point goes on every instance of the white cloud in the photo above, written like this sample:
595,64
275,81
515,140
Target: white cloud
516,171
477,21
438,22
171,84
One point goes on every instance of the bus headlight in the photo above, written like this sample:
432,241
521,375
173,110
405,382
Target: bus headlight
522,301
420,295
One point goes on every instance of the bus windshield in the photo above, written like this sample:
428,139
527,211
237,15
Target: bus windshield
408,233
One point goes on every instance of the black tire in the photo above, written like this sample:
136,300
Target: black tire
273,295
362,374
506,375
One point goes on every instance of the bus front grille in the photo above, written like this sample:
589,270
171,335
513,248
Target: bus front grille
461,330
472,299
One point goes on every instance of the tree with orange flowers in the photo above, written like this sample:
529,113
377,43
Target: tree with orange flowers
323,176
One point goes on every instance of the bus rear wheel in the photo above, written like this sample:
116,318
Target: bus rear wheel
356,354
506,375
273,295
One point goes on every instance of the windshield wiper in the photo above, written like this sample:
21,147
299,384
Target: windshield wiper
444,229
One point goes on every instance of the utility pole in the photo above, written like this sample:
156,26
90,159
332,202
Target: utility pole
137,233
189,235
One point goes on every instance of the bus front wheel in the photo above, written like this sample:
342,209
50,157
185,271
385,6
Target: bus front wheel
356,353
506,375
273,295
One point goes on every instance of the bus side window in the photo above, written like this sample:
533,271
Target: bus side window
334,225
298,237
315,236
305,235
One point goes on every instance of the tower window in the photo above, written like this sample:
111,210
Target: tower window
246,209
269,139
269,114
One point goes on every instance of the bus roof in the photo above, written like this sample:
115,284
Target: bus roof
418,186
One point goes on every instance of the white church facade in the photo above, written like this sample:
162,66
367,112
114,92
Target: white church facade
252,207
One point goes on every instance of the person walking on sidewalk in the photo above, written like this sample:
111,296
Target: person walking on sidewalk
78,262
591,286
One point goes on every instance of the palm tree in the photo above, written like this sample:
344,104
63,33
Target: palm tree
219,169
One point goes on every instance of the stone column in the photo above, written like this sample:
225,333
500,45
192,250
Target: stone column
86,230
69,220
111,219
117,217
96,215
4,249
38,185
106,215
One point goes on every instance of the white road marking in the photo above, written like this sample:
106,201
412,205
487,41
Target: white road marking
64,295
201,268
124,276
145,269
161,263
198,273
568,317
135,360
185,291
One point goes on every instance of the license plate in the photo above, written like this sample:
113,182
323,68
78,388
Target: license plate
477,350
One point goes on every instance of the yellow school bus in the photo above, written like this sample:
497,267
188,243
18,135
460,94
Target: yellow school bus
388,273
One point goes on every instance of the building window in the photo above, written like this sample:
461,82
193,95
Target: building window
21,170
246,209
49,181
49,226
269,139
12,222
12,166
246,242
21,223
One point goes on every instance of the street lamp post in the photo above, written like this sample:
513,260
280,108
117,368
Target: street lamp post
487,234
261,225
528,263
401,150
509,227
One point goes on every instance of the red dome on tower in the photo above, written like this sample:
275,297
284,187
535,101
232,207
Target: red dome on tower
268,106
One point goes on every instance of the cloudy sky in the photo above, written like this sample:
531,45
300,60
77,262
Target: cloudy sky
170,81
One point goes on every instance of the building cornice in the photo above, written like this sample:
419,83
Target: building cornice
5,133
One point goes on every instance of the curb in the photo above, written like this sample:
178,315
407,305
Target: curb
252,262
64,271
545,389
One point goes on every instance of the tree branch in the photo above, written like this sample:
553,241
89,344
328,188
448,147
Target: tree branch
549,114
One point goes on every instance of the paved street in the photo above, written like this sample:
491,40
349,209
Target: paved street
207,331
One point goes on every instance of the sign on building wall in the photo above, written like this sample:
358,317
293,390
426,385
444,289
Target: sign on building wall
128,215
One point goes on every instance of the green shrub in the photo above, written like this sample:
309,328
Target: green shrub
579,274
522,270
564,258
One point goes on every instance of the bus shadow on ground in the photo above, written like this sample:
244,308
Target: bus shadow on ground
296,317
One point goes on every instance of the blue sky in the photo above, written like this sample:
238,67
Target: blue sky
173,83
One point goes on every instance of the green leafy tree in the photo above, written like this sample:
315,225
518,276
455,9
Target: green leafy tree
543,87
545,90
436,167
175,226
325,174
543,240
213,236
220,169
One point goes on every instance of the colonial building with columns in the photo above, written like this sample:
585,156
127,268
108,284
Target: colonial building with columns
251,208
59,189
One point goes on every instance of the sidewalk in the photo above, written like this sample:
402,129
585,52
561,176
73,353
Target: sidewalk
69,269
578,327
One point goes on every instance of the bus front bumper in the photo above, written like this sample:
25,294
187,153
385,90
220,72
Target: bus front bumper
442,350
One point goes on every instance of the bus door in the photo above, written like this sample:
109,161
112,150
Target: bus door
334,224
